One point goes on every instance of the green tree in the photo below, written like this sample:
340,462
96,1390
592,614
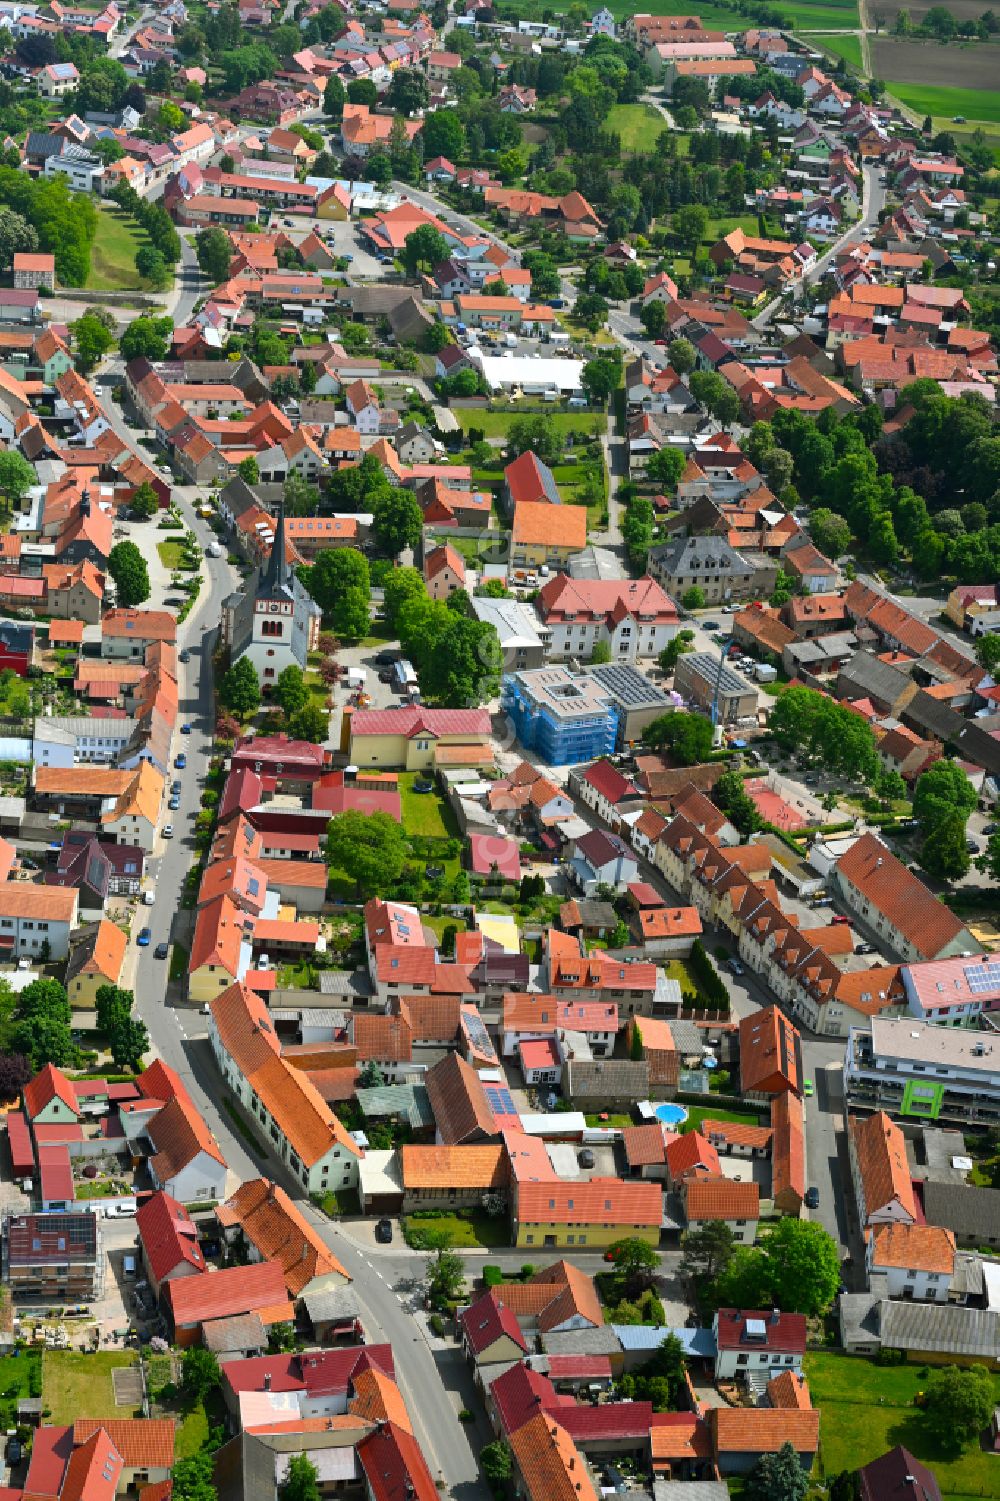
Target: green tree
336,570
600,377
93,340
146,336
653,317
249,470
442,134
301,1482
151,265
333,97
369,847
958,1405
112,1003
693,598
497,1464
311,722
128,1041
829,532
371,1076
290,691
214,253
666,466
535,434
16,477
803,1263
239,691
680,644
351,614
730,794
689,224
706,1253
425,246
636,1263
44,1039
409,91
943,852
600,654
943,792
144,502
127,567
401,586
988,653
200,1374
191,1479
889,787
445,1273
16,234
397,521
688,737
778,1477
681,355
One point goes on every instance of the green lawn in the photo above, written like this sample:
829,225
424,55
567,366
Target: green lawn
171,554
112,255
17,1375
614,1122
638,125
495,424
469,1230
80,1386
676,969
425,813
943,102
847,47
866,1409
178,962
699,1113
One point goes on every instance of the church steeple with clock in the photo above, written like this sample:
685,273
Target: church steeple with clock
274,622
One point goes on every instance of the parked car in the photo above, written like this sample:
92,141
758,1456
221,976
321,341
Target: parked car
735,966
710,625
812,1198
175,787
383,1232
180,761
185,729
162,950
168,831
423,785
174,802
14,1452
185,655
808,1087
145,938
839,918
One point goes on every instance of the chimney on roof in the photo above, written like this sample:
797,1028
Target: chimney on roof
267,1381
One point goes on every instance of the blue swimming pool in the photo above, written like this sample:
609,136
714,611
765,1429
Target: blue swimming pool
671,1115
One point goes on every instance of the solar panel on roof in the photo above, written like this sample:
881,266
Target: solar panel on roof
983,977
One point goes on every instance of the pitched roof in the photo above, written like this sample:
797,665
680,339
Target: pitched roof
277,1229
180,1135
377,1399
897,1476
770,1053
880,1151
48,1084
235,1289
600,1201
518,1394
169,1236
426,1166
892,889
488,1320
143,1443
762,1430
458,1100
721,1199
923,1248
550,1464
542,525
394,1465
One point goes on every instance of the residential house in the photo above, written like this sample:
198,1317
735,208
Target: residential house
883,1187
762,1343
917,1261
633,618
418,739
55,1257
736,1204
590,1214
897,905
168,1239
97,953
546,535
36,921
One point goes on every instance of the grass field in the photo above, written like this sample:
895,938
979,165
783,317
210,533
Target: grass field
474,1229
847,47
866,1409
171,554
112,256
495,424
16,1376
943,103
638,125
815,15
699,1113
425,813
80,1386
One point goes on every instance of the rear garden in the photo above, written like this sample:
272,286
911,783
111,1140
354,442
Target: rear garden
463,1229
866,1409
78,1385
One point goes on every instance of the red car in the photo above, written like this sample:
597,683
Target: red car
838,918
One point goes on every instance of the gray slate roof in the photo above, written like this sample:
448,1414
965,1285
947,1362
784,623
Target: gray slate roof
600,1341
341,982
972,1213
686,554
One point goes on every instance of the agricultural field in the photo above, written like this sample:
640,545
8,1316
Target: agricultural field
962,10
818,15
638,125
939,80
495,424
112,255
847,47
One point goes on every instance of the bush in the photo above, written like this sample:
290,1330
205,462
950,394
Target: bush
436,1325
492,1276
888,1356
465,1416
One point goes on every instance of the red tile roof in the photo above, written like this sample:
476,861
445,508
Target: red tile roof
519,1393
488,1320
721,1199
395,1467
48,1084
600,1201
169,1236
237,1289
892,889
143,1443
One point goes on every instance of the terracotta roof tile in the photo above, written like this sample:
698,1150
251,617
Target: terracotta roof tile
217,1295
904,900
276,1228
880,1152
721,1199
430,1167
924,1248
549,1462
143,1443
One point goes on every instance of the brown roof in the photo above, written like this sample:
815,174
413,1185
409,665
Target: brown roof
907,904
644,1145
426,1166
458,1100
143,1443
790,1390
762,1430
49,903
271,1222
81,781
721,1199
924,1248
179,1134
880,1150
550,1464
377,1399
770,1053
